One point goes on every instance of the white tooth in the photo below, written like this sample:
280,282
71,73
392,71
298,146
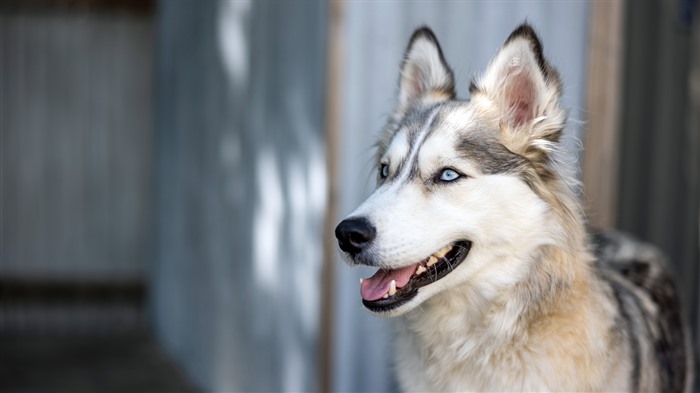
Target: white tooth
392,288
432,260
420,270
386,296
441,252
362,279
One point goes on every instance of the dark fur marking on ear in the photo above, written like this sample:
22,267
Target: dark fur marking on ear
550,73
427,33
526,31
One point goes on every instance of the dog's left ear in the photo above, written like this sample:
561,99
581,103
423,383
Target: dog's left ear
524,88
425,75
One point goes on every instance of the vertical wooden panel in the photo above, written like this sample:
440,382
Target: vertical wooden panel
600,157
693,165
334,54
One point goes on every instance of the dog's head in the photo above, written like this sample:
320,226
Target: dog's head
460,184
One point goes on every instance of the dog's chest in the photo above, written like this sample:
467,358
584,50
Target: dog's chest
465,367
460,365
454,354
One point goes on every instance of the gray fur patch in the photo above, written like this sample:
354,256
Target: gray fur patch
491,156
414,122
476,145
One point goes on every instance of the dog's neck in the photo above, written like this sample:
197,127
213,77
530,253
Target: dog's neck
550,307
552,278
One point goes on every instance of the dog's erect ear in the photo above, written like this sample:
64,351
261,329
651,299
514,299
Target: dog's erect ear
521,83
425,75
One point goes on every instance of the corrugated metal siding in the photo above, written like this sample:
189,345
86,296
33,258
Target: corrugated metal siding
76,145
242,191
376,35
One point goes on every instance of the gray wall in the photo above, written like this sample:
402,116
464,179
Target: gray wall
241,191
375,36
75,155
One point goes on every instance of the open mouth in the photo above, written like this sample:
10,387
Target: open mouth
388,289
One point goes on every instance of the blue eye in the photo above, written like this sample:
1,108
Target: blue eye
449,175
384,171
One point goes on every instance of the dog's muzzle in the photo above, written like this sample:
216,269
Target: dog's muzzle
388,289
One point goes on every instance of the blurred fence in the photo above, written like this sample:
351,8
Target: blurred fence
76,155
76,217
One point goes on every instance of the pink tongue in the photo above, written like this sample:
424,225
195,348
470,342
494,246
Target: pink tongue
375,287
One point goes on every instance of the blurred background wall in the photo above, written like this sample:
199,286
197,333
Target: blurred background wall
76,149
77,176
172,172
241,185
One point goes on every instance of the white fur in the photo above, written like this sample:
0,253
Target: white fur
470,331
498,213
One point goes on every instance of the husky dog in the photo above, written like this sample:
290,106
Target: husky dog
481,246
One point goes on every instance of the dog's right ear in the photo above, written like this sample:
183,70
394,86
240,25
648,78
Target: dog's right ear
425,75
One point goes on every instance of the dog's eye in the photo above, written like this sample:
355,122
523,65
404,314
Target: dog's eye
449,175
384,171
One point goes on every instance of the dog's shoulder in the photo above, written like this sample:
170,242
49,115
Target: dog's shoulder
640,280
641,263
637,269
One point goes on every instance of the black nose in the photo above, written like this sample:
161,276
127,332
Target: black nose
354,234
